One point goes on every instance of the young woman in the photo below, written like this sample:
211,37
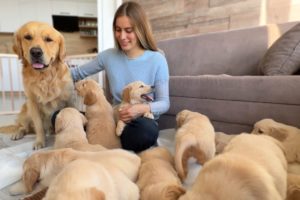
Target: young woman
135,57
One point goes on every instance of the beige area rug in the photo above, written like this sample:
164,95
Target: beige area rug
13,154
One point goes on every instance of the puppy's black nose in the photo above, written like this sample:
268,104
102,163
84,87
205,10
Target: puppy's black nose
36,52
152,86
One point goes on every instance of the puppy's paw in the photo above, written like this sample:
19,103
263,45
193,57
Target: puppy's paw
149,115
17,136
38,145
17,189
119,128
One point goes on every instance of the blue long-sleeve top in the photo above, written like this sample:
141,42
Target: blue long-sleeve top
151,67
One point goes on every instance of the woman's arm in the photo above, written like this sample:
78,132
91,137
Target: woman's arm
90,68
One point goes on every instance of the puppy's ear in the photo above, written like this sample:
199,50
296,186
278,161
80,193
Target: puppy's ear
172,192
30,177
17,45
96,194
84,119
62,49
90,98
279,133
59,124
126,94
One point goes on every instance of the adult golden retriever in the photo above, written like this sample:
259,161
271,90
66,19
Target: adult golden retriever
101,126
47,81
251,167
42,167
157,176
195,137
69,131
134,93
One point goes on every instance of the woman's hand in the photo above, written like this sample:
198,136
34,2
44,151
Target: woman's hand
130,112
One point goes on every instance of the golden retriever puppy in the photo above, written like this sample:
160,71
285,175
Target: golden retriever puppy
101,126
134,93
88,180
70,133
157,176
43,166
251,167
289,136
222,139
195,137
47,81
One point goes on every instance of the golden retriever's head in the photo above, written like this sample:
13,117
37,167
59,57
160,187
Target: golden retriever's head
69,117
271,128
39,45
182,117
137,92
90,90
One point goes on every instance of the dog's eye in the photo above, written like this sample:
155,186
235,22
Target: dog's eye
28,37
141,86
48,39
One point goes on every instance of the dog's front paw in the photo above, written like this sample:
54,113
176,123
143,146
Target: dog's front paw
119,128
18,135
149,115
38,145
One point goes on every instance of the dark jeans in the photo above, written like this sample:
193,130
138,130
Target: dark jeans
139,134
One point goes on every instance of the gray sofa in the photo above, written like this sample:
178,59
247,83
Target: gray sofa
217,74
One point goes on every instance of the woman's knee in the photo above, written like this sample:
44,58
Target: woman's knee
139,134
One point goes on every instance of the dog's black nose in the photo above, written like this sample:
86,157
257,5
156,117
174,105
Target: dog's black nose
152,86
36,52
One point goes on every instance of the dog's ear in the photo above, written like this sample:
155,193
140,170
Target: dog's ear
59,124
126,94
90,98
172,192
30,177
84,119
62,48
17,45
279,133
96,194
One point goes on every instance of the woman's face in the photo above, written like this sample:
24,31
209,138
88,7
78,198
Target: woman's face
125,34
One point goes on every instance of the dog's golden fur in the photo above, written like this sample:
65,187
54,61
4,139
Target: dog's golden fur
88,180
43,166
289,136
69,131
101,127
195,137
157,176
47,81
251,167
222,139
133,94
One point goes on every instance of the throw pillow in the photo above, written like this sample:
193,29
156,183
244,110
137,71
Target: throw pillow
283,57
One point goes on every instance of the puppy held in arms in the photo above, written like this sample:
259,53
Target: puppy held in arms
136,92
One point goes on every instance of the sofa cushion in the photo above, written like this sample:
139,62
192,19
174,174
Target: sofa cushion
283,57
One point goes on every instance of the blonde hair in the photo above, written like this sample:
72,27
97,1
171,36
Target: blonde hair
139,22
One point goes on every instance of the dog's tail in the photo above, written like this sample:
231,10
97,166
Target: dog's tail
162,191
13,128
187,148
293,186
172,192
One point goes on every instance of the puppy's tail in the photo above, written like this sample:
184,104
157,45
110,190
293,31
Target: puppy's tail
183,151
172,192
293,186
13,128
